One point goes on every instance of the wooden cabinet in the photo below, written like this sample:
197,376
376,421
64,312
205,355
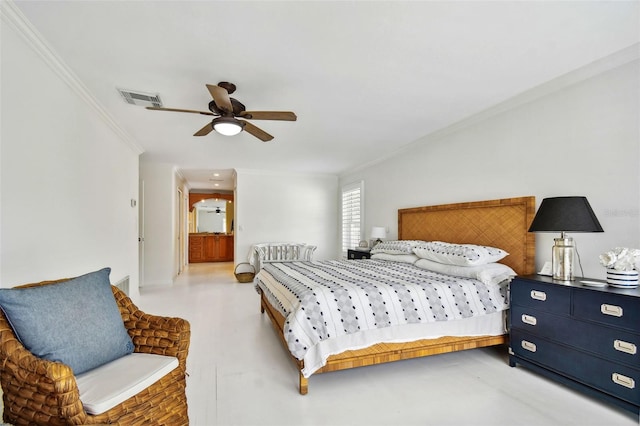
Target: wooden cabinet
210,248
225,248
196,248
584,337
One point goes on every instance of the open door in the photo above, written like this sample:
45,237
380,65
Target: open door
180,226
141,234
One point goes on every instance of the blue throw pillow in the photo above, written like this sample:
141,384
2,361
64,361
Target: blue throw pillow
76,322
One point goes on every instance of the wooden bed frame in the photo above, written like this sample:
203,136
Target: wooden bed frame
498,223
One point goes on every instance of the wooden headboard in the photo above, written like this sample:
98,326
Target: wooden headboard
496,223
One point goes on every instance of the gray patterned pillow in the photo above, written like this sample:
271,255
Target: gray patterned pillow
459,254
396,247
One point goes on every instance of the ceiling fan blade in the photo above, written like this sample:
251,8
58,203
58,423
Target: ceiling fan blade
180,110
204,131
256,131
221,97
269,115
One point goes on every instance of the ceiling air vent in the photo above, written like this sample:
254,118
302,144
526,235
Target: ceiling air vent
141,98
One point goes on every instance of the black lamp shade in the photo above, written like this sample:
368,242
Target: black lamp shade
565,214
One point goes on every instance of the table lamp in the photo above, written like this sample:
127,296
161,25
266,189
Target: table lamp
564,214
378,232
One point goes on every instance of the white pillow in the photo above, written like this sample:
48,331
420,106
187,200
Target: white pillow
404,258
459,254
490,273
396,247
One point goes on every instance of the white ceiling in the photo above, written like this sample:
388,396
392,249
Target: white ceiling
364,78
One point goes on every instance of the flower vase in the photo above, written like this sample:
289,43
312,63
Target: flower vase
622,279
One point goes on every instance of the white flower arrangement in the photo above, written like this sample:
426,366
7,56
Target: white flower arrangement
621,259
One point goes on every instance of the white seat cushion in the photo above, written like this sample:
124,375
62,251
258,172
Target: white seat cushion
110,384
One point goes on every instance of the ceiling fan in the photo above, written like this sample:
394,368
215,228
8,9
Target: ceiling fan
227,110
218,210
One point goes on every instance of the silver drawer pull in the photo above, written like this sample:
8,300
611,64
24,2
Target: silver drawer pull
528,319
531,347
626,347
538,295
613,310
625,381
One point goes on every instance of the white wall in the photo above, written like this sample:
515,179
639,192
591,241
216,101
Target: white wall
273,206
67,177
160,231
583,139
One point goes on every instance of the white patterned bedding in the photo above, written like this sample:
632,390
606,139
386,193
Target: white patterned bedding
333,306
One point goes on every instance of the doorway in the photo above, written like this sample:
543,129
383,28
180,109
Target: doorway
180,227
141,233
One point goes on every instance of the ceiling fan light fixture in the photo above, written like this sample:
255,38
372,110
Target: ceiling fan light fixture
227,126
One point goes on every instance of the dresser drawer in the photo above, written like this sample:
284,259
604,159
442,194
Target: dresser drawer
541,296
540,323
614,344
618,380
608,308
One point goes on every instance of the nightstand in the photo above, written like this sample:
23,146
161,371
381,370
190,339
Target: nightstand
359,254
584,337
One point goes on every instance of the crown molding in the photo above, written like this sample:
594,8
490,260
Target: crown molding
11,15
592,69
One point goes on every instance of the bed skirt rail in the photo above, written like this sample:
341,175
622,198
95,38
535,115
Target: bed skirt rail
380,353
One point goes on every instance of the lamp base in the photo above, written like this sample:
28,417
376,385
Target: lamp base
562,255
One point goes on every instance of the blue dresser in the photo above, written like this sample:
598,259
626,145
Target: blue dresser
584,337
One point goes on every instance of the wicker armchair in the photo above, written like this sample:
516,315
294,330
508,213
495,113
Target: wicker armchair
40,392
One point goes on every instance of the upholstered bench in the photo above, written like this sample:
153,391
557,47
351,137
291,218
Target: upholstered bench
279,252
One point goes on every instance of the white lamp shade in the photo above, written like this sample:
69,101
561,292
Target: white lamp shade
378,232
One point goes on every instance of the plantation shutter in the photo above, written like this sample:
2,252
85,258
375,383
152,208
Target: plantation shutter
352,216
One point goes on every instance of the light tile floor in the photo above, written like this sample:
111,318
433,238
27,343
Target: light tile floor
239,374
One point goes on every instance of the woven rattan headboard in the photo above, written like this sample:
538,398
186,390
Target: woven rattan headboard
497,223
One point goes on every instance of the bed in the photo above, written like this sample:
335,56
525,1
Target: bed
501,223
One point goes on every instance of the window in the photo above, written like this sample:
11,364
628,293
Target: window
352,215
